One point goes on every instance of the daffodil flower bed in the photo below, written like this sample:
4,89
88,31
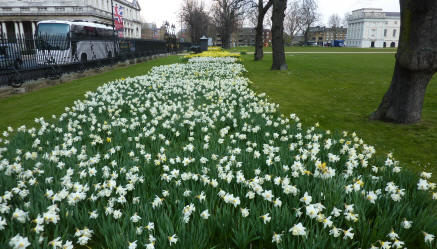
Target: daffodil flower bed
215,48
213,54
188,156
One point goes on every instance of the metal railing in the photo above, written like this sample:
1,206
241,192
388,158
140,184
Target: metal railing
24,58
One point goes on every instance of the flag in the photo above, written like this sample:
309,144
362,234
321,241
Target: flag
118,19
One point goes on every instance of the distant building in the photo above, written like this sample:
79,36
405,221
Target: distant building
324,35
150,31
161,32
19,17
246,37
298,40
267,37
184,35
373,28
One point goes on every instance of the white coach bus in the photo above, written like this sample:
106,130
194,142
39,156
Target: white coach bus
66,42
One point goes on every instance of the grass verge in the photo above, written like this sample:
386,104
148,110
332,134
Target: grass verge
23,109
340,91
317,49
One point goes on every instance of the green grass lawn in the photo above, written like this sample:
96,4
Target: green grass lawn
23,109
340,91
317,49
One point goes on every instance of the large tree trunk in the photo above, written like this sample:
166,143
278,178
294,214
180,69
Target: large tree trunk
259,41
226,40
404,99
416,62
259,38
278,16
306,35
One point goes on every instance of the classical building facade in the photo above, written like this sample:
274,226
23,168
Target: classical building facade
19,17
324,35
373,28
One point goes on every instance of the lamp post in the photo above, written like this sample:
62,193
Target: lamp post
113,28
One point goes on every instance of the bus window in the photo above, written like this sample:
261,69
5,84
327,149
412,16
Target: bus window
53,36
83,32
58,29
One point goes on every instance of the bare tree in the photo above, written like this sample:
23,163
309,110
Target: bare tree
292,23
278,15
344,21
416,63
268,18
308,15
261,8
252,16
334,20
227,14
194,15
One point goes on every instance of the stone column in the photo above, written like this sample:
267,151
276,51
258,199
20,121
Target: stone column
20,25
33,28
4,31
16,29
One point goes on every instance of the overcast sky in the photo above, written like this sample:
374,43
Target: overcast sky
158,11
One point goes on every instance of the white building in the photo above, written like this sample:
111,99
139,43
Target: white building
19,17
373,28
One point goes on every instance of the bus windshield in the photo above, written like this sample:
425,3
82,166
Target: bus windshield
58,29
53,36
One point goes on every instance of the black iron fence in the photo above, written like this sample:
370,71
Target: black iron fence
27,57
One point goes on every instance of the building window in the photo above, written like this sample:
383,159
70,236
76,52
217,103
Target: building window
385,32
25,9
394,32
42,8
396,22
60,9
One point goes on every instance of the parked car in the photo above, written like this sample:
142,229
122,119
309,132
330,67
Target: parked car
338,43
10,56
312,44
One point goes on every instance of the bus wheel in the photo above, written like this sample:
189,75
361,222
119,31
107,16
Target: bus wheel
83,58
15,80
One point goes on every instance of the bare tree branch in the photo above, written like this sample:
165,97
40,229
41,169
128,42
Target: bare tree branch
334,21
226,15
309,16
293,22
195,17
